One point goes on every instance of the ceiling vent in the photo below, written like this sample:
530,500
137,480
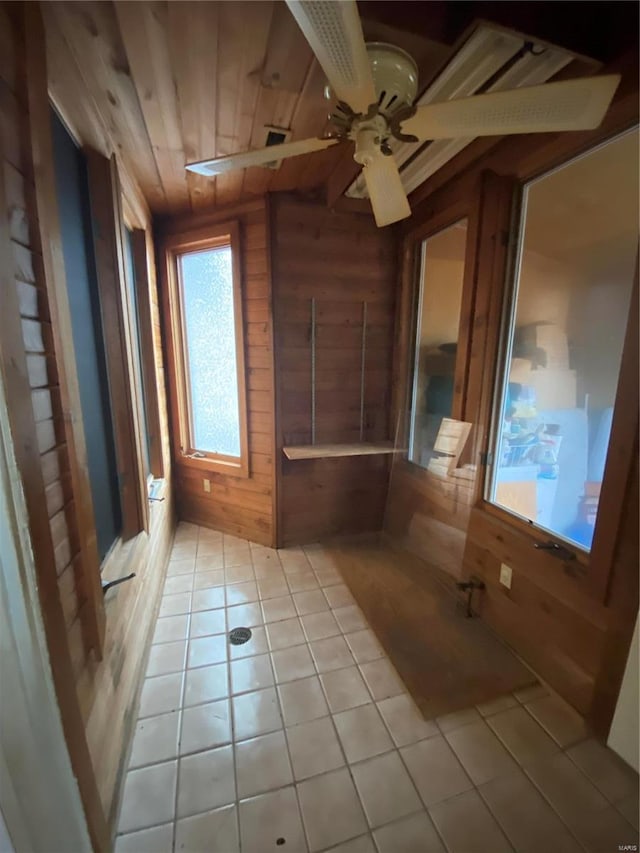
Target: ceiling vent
274,136
490,60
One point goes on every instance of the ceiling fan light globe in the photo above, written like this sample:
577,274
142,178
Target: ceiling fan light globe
395,76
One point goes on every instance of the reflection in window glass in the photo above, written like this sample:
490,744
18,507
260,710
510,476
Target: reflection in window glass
578,244
210,350
440,297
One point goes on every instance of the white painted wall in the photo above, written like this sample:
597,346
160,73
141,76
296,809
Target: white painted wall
39,798
623,737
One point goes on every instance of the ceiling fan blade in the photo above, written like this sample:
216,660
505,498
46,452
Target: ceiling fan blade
334,33
566,105
388,198
258,157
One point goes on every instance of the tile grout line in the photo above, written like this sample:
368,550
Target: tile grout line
496,817
288,748
317,674
181,715
138,700
561,751
331,716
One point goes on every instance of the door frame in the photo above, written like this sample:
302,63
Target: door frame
37,779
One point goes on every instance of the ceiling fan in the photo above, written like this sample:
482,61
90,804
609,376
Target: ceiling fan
376,85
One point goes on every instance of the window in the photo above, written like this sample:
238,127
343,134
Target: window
88,337
441,275
206,313
573,282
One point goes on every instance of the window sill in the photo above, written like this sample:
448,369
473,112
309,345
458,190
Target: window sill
228,468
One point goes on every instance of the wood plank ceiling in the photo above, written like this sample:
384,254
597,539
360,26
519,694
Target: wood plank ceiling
183,81
177,81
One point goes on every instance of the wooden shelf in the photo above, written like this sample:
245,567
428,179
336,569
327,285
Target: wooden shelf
333,451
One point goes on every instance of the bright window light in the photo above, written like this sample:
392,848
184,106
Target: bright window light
209,328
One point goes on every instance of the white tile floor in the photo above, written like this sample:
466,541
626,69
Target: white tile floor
304,738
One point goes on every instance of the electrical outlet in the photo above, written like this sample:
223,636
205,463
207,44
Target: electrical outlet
206,485
505,575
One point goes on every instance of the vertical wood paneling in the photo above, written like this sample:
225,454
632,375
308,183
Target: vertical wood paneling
37,425
97,698
428,513
240,505
555,615
340,260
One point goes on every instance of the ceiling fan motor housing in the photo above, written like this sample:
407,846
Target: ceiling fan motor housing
395,77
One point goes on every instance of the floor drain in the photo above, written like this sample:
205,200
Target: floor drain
238,636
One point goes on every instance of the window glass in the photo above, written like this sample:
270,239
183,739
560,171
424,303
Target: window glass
206,282
441,275
575,271
88,341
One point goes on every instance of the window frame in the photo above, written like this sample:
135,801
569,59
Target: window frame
584,559
455,208
419,249
108,229
149,381
137,371
211,237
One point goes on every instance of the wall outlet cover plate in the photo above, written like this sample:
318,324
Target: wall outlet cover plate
505,575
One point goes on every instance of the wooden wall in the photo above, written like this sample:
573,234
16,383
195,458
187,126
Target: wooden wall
341,260
572,624
97,681
34,403
28,307
243,506
428,513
